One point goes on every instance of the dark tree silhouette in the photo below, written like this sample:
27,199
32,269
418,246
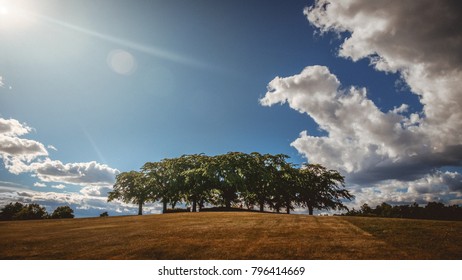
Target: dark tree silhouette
433,210
10,211
322,188
63,212
31,211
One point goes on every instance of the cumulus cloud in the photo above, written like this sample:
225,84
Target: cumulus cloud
22,155
362,140
84,173
13,147
397,36
385,149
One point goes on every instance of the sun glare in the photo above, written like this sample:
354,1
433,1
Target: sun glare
13,14
4,10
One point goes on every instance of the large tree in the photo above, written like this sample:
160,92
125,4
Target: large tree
229,175
165,181
197,184
286,186
320,188
260,178
132,187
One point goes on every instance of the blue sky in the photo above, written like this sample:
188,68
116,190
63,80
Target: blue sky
91,89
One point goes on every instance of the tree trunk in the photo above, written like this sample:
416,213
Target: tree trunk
194,205
140,208
228,204
310,210
288,207
201,204
164,206
262,206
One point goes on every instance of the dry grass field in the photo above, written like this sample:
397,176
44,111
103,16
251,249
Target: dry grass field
230,235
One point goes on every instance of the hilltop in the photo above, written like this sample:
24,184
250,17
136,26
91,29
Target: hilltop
231,235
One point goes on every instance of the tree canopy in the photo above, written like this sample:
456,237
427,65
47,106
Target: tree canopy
234,179
131,187
63,212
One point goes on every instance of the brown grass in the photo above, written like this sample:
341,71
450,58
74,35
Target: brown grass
422,239
230,236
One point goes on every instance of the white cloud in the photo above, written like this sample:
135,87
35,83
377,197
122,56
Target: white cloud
23,156
372,147
441,186
84,173
12,128
84,205
362,140
96,191
14,149
397,36
39,185
51,147
59,187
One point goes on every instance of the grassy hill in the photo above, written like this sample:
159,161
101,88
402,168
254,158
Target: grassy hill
230,235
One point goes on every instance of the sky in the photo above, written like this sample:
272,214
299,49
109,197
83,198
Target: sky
91,89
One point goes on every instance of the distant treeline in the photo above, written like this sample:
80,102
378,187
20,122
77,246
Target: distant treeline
33,211
433,211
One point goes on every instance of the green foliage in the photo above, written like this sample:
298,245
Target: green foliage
132,187
10,211
31,211
104,214
233,179
63,212
19,211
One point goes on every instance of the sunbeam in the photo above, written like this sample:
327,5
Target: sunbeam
159,53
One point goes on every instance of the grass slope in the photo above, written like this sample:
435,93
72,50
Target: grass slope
230,236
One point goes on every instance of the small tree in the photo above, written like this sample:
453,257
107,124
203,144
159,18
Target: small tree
32,211
366,209
10,211
63,212
104,214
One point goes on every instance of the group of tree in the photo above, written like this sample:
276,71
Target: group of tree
235,179
33,211
433,210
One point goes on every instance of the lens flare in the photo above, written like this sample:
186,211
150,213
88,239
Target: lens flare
121,62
